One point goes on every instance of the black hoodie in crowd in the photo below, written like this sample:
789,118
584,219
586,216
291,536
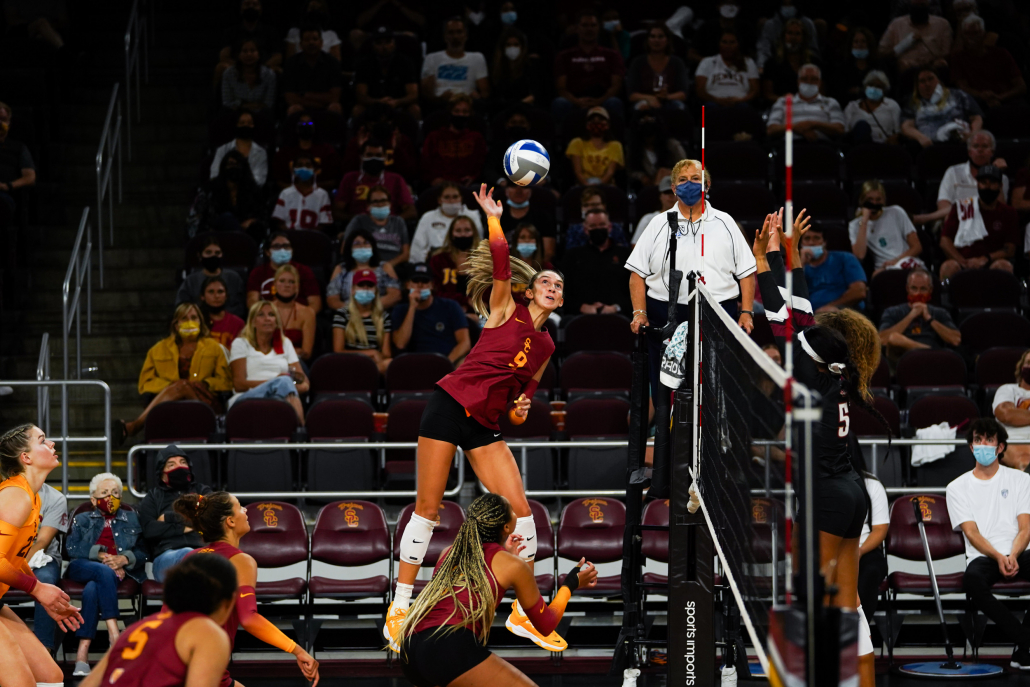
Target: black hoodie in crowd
163,536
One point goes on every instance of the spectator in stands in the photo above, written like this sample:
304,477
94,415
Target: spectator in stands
303,205
40,21
399,15
432,226
224,325
17,170
169,539
316,14
264,363
454,152
1011,406
453,71
990,504
588,75
298,319
594,273
53,520
774,30
989,74
324,155
595,159
847,75
959,180
104,546
816,116
728,78
360,251
378,122
917,38
592,199
210,258
364,326
667,198
186,365
872,564
251,27
229,202
248,84
390,231
312,78
652,151
518,210
244,144
988,232
917,324
279,252
835,278
732,17
527,244
883,230
618,38
939,114
781,74
352,196
516,128
426,324
447,263
874,118
516,75
657,79
386,77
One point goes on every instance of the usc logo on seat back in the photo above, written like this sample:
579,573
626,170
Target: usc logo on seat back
759,516
594,509
924,507
268,513
350,513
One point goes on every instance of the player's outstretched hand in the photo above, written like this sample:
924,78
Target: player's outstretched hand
491,207
513,544
308,665
764,235
587,573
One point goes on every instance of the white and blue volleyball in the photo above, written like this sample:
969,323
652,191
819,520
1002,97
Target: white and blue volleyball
526,162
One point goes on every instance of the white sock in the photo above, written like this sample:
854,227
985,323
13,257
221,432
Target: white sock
402,597
49,684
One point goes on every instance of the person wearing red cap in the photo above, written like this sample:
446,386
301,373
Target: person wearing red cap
364,326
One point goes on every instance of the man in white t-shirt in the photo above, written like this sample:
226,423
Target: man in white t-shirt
303,205
432,226
959,181
1011,408
667,197
453,70
990,504
816,117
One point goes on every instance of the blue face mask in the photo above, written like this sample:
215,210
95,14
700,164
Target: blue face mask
361,254
364,297
788,11
525,249
985,455
873,93
281,256
424,294
689,192
518,206
611,26
379,212
303,174
859,54
509,17
817,251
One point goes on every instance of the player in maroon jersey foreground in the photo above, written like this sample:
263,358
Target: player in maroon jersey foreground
183,645
499,375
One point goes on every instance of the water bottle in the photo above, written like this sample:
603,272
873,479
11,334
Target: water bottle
729,676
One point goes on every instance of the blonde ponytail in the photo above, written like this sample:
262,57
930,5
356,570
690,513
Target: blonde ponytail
481,276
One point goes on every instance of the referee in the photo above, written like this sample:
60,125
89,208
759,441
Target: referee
728,265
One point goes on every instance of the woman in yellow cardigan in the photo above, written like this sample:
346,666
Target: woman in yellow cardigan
188,365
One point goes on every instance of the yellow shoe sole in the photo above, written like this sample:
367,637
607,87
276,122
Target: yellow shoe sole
520,629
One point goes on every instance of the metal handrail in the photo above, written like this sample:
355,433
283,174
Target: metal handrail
111,137
43,392
64,439
79,270
135,36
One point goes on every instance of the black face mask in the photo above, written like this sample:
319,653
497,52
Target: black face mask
245,132
459,122
989,195
919,15
285,299
211,263
305,132
211,309
1024,374
180,479
250,15
598,236
373,166
517,133
462,243
875,207
234,174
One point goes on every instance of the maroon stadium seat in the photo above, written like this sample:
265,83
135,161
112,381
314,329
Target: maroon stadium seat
750,200
277,538
877,161
994,367
824,201
812,162
539,461
414,375
903,541
345,374
180,422
402,425
599,333
933,162
971,291
656,543
732,121
988,329
314,249
451,519
596,374
595,419
260,420
901,193
737,161
923,372
349,469
593,528
881,380
544,546
350,533
886,289
955,410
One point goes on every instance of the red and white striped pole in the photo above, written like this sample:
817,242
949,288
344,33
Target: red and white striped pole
704,200
788,353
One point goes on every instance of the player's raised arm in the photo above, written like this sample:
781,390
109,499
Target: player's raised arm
501,302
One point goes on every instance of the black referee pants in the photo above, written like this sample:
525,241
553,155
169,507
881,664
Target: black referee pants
981,574
872,569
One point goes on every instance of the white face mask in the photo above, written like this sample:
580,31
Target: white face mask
512,52
937,94
729,11
450,209
808,90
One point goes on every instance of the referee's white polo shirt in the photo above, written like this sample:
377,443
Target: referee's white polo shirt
727,257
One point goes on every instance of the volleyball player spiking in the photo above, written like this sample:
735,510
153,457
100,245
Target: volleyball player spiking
500,375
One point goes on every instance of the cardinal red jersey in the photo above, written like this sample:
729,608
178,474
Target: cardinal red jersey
145,656
232,623
503,360
445,607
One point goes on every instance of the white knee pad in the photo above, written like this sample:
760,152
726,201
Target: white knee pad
415,540
526,527
865,638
